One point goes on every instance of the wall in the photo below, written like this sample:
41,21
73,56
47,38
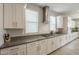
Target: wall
1,25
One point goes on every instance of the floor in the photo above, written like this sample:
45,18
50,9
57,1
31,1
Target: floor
69,49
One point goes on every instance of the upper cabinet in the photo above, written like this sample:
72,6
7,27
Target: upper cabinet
59,22
13,16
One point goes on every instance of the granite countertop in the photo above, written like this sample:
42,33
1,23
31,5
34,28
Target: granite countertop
25,40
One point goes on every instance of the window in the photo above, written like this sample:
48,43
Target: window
73,24
31,21
53,23
59,22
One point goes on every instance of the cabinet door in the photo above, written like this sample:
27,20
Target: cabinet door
33,48
57,42
43,47
69,37
8,15
17,50
76,35
51,45
22,49
19,15
63,40
13,16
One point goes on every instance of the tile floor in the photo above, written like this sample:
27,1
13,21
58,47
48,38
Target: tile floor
70,49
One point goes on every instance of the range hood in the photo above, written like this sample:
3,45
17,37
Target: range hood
45,14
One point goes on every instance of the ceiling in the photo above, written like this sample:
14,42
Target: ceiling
61,7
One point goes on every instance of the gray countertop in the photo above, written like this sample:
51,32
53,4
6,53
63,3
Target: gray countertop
24,40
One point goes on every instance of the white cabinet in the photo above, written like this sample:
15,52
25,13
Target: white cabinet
20,15
64,40
74,35
16,50
43,47
57,42
51,45
68,37
33,48
60,41
37,48
13,16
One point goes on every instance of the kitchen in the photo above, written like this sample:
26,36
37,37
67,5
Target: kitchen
37,29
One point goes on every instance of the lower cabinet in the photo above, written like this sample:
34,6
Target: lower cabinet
33,48
37,48
69,38
74,35
51,45
57,42
63,40
16,50
41,47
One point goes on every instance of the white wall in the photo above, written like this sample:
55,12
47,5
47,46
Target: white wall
1,25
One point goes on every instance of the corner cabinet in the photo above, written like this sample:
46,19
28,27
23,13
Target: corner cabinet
13,16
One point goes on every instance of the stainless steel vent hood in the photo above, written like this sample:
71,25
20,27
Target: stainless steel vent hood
45,14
